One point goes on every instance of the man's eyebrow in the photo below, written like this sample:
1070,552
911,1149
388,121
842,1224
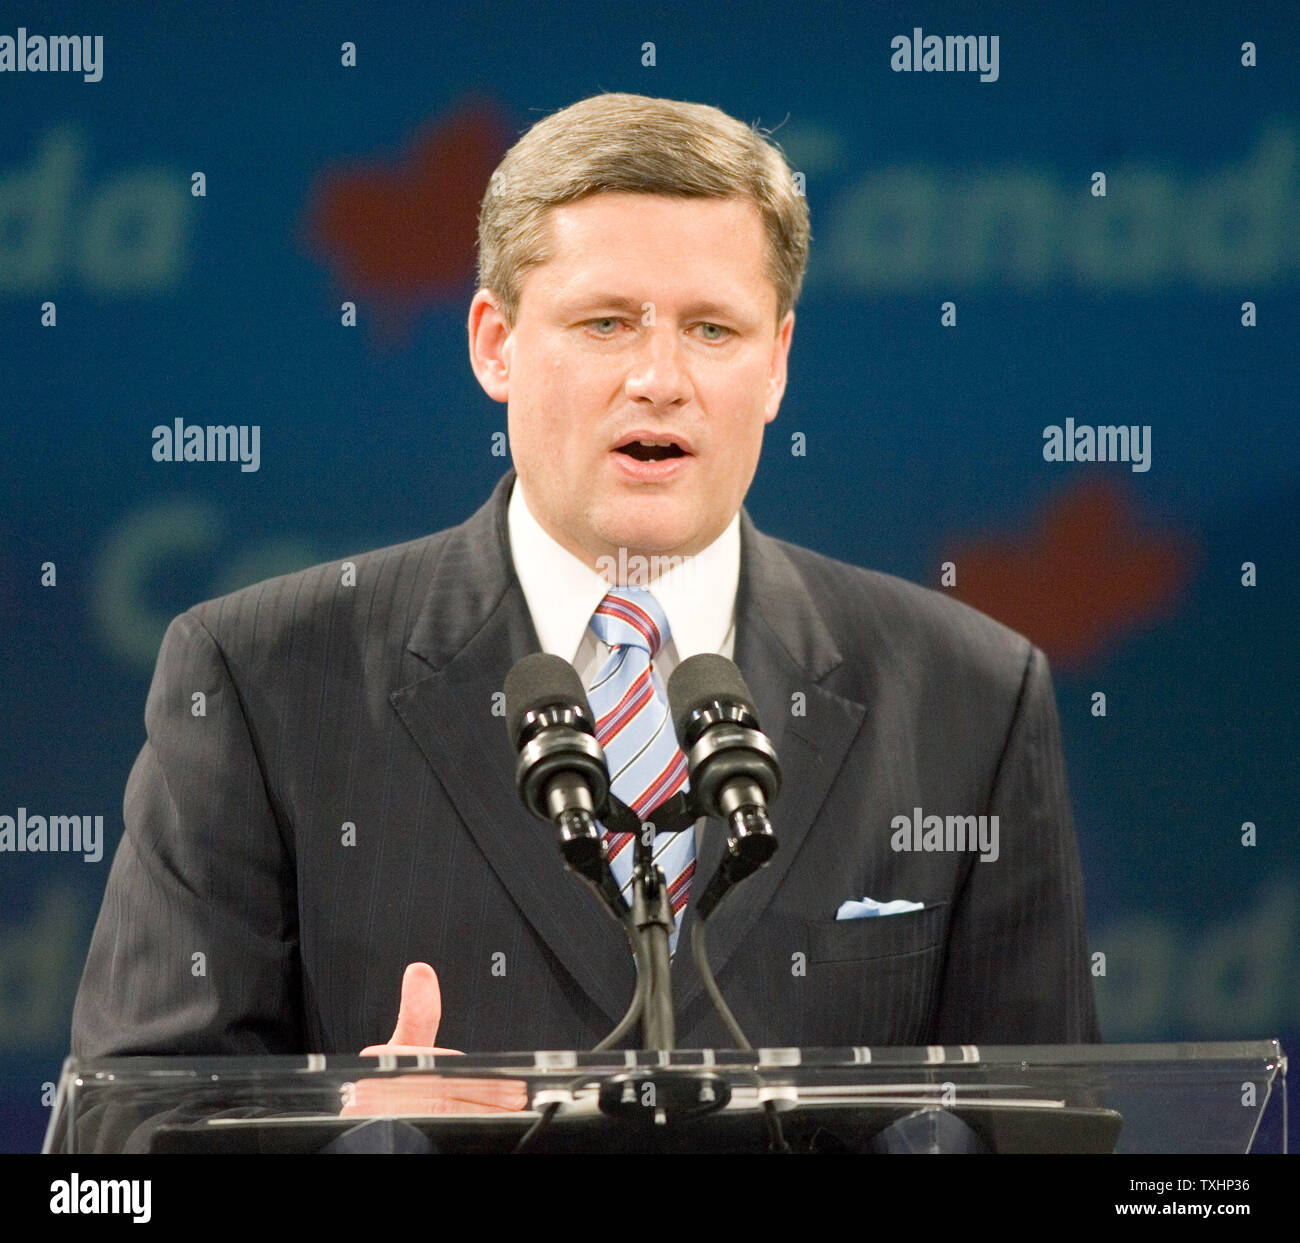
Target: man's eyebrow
620,302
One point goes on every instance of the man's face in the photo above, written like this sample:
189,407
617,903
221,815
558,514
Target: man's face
652,321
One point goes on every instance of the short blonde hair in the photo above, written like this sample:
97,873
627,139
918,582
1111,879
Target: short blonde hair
639,145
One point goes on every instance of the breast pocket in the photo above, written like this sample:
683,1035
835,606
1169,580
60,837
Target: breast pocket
875,980
878,936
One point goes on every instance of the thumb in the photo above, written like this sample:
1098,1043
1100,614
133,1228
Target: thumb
421,1010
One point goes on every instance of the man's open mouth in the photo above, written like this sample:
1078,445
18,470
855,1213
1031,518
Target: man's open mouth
651,450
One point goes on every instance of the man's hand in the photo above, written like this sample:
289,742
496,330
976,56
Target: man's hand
418,1017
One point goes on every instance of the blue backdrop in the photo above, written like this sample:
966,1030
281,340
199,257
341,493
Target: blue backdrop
217,301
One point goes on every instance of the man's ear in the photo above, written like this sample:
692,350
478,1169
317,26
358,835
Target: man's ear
489,345
777,373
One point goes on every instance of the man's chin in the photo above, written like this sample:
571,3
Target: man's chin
648,544
660,543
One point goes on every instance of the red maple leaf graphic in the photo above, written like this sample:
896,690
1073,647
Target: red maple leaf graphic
400,235
1086,575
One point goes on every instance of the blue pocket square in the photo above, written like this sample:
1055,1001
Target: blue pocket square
869,906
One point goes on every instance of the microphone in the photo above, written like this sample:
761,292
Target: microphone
734,773
561,774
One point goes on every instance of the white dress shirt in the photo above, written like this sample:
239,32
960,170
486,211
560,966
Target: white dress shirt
698,596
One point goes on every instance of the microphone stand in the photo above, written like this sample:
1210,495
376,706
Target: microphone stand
652,918
666,1095
750,844
649,921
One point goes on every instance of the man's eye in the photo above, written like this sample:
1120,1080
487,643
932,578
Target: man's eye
715,332
604,327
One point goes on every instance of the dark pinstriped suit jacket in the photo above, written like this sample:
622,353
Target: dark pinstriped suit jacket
375,705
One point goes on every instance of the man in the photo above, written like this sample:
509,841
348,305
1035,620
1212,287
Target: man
342,816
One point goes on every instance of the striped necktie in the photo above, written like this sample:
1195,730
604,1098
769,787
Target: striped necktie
633,725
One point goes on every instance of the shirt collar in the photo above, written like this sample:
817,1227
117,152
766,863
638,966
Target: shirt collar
698,595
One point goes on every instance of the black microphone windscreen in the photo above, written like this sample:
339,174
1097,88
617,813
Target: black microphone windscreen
541,681
698,681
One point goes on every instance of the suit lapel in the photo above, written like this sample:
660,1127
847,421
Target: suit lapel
473,627
783,651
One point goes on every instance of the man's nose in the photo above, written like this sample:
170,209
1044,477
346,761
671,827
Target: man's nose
660,373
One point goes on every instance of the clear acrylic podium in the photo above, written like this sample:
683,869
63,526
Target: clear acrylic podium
1159,1098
